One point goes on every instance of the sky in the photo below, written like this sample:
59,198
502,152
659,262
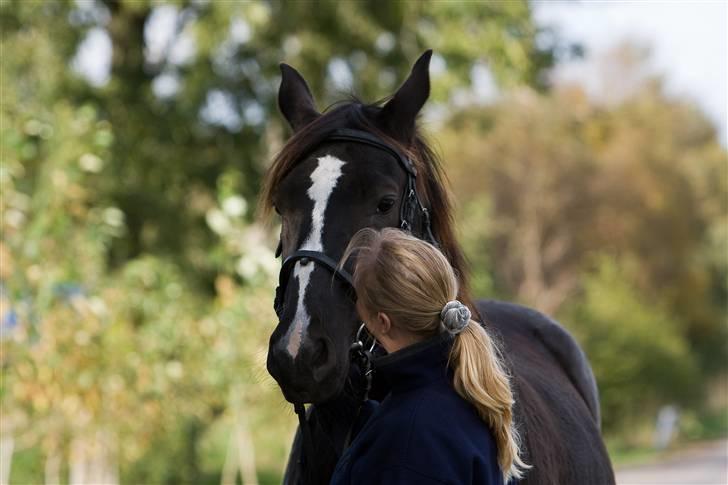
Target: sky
688,41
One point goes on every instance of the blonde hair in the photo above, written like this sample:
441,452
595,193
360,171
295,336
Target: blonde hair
411,280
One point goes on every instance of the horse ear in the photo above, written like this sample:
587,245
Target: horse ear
295,99
398,116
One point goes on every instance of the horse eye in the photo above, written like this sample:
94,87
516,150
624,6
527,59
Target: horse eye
385,205
275,208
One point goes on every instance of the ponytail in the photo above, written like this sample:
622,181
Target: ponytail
481,379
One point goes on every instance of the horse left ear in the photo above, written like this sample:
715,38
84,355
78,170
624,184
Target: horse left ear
295,99
398,116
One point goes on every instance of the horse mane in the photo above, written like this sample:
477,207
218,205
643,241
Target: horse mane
432,183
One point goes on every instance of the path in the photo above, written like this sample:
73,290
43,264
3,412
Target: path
704,464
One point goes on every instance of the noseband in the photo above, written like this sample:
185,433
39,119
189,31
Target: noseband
410,206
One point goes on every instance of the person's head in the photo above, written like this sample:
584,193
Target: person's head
406,292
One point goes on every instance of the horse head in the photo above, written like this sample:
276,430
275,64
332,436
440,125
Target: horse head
350,167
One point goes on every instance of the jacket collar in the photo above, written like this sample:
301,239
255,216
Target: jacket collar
416,365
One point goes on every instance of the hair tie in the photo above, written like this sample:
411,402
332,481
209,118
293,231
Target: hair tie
454,317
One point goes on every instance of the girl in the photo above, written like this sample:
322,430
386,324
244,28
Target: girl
448,418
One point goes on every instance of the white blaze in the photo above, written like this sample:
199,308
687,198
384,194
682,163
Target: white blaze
323,179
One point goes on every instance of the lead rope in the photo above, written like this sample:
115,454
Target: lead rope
307,443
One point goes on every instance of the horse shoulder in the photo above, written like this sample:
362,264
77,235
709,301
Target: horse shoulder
510,317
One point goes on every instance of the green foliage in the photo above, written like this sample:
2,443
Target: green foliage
26,464
610,216
705,424
636,348
473,231
170,152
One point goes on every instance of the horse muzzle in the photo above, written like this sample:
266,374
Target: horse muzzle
312,375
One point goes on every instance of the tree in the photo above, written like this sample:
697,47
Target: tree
636,347
136,286
609,216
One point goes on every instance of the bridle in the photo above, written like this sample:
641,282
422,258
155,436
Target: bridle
410,208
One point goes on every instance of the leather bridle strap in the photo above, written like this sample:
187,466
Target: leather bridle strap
306,257
410,200
306,439
363,137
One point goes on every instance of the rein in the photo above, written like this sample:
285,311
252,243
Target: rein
410,207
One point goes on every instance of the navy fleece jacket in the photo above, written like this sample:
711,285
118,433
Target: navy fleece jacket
423,432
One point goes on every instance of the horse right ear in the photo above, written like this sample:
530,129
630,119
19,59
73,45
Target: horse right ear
399,115
295,99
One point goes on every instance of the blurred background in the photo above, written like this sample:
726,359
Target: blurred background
587,141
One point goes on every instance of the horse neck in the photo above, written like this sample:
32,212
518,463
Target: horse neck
330,425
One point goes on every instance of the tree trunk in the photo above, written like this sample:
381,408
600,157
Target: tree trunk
7,443
246,455
93,460
77,466
53,469
242,442
230,468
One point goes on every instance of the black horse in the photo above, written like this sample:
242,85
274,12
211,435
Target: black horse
325,187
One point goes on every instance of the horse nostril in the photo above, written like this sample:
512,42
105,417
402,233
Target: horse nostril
320,354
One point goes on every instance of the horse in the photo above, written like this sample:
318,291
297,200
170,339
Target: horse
368,165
